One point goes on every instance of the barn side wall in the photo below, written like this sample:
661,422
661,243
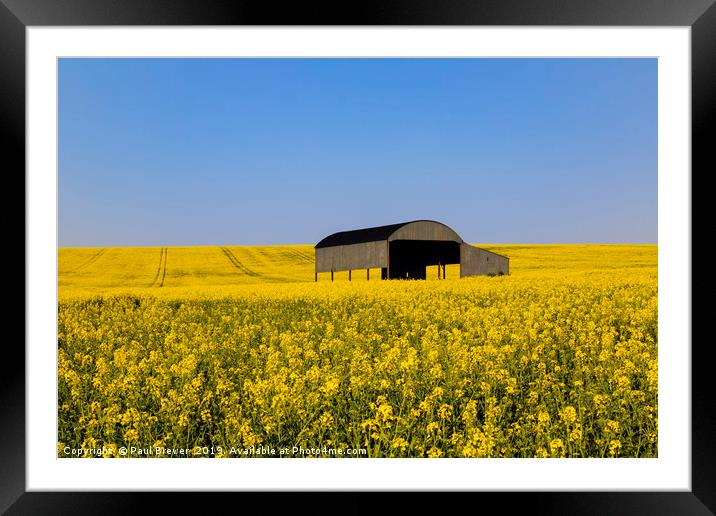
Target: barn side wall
478,262
425,230
354,256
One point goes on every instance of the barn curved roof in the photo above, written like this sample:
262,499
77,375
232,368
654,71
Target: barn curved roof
359,236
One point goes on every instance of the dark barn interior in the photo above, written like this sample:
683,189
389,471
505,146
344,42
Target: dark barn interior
409,258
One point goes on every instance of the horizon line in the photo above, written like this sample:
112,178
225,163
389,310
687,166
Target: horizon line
313,245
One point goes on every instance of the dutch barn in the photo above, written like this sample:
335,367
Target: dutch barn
403,251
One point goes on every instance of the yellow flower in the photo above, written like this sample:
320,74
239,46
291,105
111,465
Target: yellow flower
543,420
327,421
556,446
435,452
400,444
541,453
614,447
612,426
445,411
569,415
623,381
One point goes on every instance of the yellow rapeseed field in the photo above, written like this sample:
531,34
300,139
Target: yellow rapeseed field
235,351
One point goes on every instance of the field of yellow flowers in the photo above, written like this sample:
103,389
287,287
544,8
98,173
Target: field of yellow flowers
236,352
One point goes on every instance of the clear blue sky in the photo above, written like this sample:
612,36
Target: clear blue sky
273,151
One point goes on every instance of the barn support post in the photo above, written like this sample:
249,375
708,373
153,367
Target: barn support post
438,270
387,261
443,271
349,274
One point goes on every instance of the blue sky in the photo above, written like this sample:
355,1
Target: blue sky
276,151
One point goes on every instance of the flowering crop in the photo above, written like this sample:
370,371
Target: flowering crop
558,359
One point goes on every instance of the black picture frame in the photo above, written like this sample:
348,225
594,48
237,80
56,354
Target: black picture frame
16,15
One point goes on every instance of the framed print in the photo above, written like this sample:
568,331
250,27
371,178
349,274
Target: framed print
151,137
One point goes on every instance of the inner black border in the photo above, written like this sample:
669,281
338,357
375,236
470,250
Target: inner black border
16,15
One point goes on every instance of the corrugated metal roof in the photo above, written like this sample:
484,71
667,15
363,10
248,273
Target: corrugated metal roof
359,236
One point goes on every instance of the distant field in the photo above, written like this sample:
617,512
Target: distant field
162,270
167,267
225,349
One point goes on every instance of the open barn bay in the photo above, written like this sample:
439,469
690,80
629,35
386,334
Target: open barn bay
236,351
